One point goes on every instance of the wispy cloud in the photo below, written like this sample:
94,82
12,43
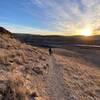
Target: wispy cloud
67,15
27,30
50,16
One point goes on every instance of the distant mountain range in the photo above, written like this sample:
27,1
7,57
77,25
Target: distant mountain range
53,40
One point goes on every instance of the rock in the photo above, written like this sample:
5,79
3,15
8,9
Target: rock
37,70
3,86
40,98
1,97
33,96
97,91
76,77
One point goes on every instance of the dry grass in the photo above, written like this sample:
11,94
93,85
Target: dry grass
17,62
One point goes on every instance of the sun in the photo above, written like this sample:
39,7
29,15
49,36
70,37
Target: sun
87,31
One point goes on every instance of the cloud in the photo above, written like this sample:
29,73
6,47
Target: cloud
26,30
56,16
66,15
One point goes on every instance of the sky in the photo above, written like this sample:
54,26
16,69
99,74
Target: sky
50,17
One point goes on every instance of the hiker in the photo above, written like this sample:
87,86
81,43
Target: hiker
50,51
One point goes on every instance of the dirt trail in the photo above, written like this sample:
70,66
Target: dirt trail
55,82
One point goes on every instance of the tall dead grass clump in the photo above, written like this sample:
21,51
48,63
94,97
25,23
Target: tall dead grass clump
16,89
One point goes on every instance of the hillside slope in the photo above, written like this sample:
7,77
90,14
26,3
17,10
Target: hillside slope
54,41
21,70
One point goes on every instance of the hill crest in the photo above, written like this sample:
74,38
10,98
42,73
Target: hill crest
4,31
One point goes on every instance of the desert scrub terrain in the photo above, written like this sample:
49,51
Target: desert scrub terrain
21,70
29,73
81,72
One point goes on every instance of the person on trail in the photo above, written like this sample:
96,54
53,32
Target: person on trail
50,51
